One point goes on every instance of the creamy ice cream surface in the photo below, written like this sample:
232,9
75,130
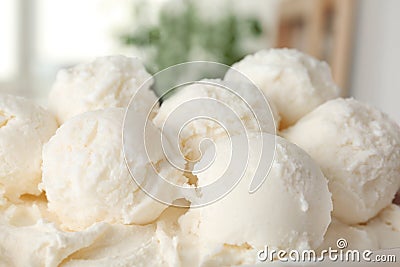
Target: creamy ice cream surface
357,237
85,176
381,232
295,82
128,245
386,227
93,192
29,239
106,82
217,109
291,209
358,149
24,128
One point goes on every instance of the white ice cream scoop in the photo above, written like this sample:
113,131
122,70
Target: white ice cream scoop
106,82
291,209
86,178
24,128
294,82
358,149
213,109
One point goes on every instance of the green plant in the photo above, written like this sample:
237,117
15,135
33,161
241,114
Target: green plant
179,36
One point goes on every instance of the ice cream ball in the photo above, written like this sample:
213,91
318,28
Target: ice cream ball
295,82
106,82
213,109
358,149
24,128
85,176
290,210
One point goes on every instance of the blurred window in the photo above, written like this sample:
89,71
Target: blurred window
8,40
38,37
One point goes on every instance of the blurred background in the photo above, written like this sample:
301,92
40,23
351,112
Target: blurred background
359,39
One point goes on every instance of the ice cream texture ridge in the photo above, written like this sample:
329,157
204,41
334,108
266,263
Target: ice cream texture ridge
68,197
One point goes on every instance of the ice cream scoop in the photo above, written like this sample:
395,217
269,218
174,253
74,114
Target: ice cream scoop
24,128
106,82
295,82
358,149
87,180
291,209
213,109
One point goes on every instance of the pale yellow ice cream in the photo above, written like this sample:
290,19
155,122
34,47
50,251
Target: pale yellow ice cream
228,114
128,245
381,232
295,82
291,209
30,239
85,176
358,149
92,212
386,227
42,244
356,237
105,82
24,128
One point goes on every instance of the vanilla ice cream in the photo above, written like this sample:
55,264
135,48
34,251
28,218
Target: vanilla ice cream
386,227
102,244
352,236
295,82
381,232
155,244
183,184
291,209
27,211
213,109
43,244
358,149
85,176
128,245
105,82
24,128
